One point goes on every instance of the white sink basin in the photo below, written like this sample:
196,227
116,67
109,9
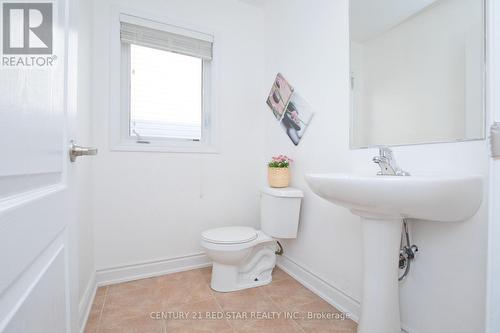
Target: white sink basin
446,199
382,202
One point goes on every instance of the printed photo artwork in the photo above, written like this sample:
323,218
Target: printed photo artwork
280,95
293,112
297,117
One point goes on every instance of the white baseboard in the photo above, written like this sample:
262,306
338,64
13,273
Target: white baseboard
86,303
150,269
336,297
331,294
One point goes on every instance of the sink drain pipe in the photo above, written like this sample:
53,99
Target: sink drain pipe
279,250
407,252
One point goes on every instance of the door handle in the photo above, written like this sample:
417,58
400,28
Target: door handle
76,151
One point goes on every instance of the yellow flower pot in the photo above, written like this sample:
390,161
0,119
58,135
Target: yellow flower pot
278,177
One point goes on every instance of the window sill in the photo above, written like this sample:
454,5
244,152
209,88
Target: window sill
156,147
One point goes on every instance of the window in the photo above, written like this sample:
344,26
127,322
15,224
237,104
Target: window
165,85
165,94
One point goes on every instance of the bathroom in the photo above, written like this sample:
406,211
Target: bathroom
134,214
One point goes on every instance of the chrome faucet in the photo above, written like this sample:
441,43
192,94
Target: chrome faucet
387,163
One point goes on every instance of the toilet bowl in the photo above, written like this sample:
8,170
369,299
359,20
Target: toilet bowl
229,248
243,257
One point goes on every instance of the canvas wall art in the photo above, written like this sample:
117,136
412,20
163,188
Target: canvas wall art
293,112
279,96
297,117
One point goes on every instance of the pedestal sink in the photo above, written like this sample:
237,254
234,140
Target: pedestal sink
383,202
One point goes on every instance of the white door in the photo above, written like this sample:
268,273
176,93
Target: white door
35,292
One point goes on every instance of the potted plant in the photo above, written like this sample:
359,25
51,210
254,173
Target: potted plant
278,174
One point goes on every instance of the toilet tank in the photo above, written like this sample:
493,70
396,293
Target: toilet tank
280,211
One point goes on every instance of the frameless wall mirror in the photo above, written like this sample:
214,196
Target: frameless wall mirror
417,71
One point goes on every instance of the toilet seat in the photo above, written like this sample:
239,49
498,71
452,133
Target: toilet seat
229,235
260,237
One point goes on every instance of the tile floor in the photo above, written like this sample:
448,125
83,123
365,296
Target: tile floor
157,305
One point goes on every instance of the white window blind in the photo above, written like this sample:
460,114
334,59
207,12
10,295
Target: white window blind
164,40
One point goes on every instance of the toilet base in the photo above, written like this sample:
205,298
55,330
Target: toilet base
256,270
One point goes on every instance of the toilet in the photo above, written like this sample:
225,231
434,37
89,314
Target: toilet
244,257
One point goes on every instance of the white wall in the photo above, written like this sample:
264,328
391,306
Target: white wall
153,206
445,291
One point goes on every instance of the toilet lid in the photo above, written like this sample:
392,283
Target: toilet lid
230,235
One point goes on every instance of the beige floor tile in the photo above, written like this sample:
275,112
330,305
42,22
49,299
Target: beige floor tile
207,274
184,291
91,325
95,313
133,303
98,303
202,317
248,300
101,291
280,275
131,325
289,294
266,326
333,325
127,307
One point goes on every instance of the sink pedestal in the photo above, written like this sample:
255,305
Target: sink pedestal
380,300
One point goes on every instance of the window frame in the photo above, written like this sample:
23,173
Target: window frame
120,137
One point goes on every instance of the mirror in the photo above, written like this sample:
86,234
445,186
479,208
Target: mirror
417,71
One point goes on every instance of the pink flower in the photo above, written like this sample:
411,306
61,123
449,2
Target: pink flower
282,158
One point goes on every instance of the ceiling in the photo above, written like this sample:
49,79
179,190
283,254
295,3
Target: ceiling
369,18
255,2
